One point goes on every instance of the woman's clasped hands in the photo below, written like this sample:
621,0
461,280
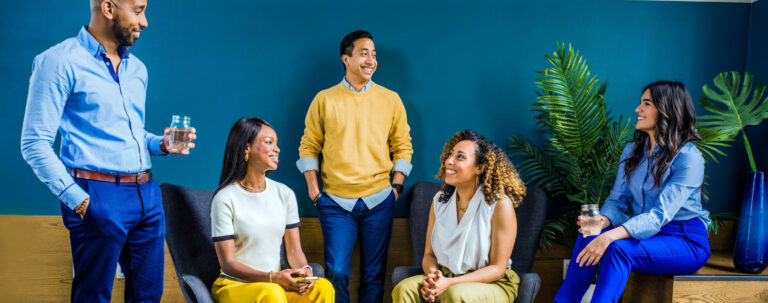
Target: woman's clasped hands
434,285
285,279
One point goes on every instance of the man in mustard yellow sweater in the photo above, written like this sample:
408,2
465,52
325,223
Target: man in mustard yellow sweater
362,131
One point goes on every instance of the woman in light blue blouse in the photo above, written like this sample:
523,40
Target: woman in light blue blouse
652,221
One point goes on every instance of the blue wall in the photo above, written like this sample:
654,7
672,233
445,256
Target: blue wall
757,64
456,64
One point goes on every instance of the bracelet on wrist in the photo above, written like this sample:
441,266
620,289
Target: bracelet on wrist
307,266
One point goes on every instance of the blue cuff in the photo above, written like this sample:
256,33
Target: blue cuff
154,145
403,166
73,195
308,163
614,215
640,227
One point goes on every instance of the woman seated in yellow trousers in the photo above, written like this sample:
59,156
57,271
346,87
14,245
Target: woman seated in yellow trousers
251,215
472,227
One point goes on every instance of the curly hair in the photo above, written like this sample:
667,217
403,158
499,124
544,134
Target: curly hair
499,179
675,126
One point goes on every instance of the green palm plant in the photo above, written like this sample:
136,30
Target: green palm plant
579,158
732,109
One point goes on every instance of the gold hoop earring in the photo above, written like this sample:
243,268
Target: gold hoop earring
246,157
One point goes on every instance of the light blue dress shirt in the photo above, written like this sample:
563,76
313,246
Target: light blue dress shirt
348,203
678,198
100,114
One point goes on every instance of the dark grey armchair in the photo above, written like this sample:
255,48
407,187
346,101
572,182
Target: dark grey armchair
530,218
188,234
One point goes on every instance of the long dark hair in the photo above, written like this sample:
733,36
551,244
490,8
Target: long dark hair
675,127
234,166
499,178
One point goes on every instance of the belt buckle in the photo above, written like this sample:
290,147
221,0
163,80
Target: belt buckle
139,176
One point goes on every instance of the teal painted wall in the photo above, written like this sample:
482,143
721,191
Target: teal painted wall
757,64
456,65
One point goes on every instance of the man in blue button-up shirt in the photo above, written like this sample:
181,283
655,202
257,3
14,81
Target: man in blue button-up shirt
93,91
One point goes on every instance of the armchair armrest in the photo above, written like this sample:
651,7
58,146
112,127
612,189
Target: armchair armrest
196,286
403,272
529,287
317,270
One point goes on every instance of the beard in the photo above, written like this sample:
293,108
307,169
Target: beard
123,35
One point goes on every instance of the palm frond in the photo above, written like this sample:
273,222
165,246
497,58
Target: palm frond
536,167
573,101
717,221
712,140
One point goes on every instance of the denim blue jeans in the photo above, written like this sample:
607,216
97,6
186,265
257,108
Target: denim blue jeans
373,228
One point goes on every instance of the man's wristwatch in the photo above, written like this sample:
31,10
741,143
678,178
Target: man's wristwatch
398,188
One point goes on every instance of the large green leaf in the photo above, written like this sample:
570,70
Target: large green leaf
734,107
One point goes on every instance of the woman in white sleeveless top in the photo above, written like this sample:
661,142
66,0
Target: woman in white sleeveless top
251,215
472,228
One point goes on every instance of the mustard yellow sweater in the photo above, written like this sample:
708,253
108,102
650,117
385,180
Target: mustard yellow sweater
359,136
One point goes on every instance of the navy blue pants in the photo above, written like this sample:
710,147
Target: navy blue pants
373,227
681,247
123,223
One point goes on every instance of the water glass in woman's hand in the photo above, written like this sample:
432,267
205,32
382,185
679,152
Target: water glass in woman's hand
590,220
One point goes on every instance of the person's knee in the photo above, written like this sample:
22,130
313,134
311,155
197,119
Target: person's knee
324,289
407,290
338,271
271,292
451,295
617,249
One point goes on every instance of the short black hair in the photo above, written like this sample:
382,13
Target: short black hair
348,43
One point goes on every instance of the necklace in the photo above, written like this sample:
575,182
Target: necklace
252,189
459,208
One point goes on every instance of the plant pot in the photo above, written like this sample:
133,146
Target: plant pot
750,253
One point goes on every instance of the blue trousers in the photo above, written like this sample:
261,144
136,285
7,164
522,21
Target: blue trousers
681,247
373,227
123,223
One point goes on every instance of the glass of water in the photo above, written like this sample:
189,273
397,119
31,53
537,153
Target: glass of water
590,220
180,129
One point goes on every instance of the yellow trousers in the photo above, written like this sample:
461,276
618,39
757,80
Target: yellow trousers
229,291
502,290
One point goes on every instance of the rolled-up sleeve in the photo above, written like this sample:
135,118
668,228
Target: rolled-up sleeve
686,176
49,88
403,166
308,163
153,144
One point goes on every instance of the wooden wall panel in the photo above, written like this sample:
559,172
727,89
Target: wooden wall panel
35,260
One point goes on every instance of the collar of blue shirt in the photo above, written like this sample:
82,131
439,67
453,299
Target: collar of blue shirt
352,88
94,47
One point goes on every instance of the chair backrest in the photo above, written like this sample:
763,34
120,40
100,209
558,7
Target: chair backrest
530,219
188,233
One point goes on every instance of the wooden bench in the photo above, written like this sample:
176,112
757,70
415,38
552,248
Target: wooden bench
717,281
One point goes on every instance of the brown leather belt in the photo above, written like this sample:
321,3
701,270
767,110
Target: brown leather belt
140,178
